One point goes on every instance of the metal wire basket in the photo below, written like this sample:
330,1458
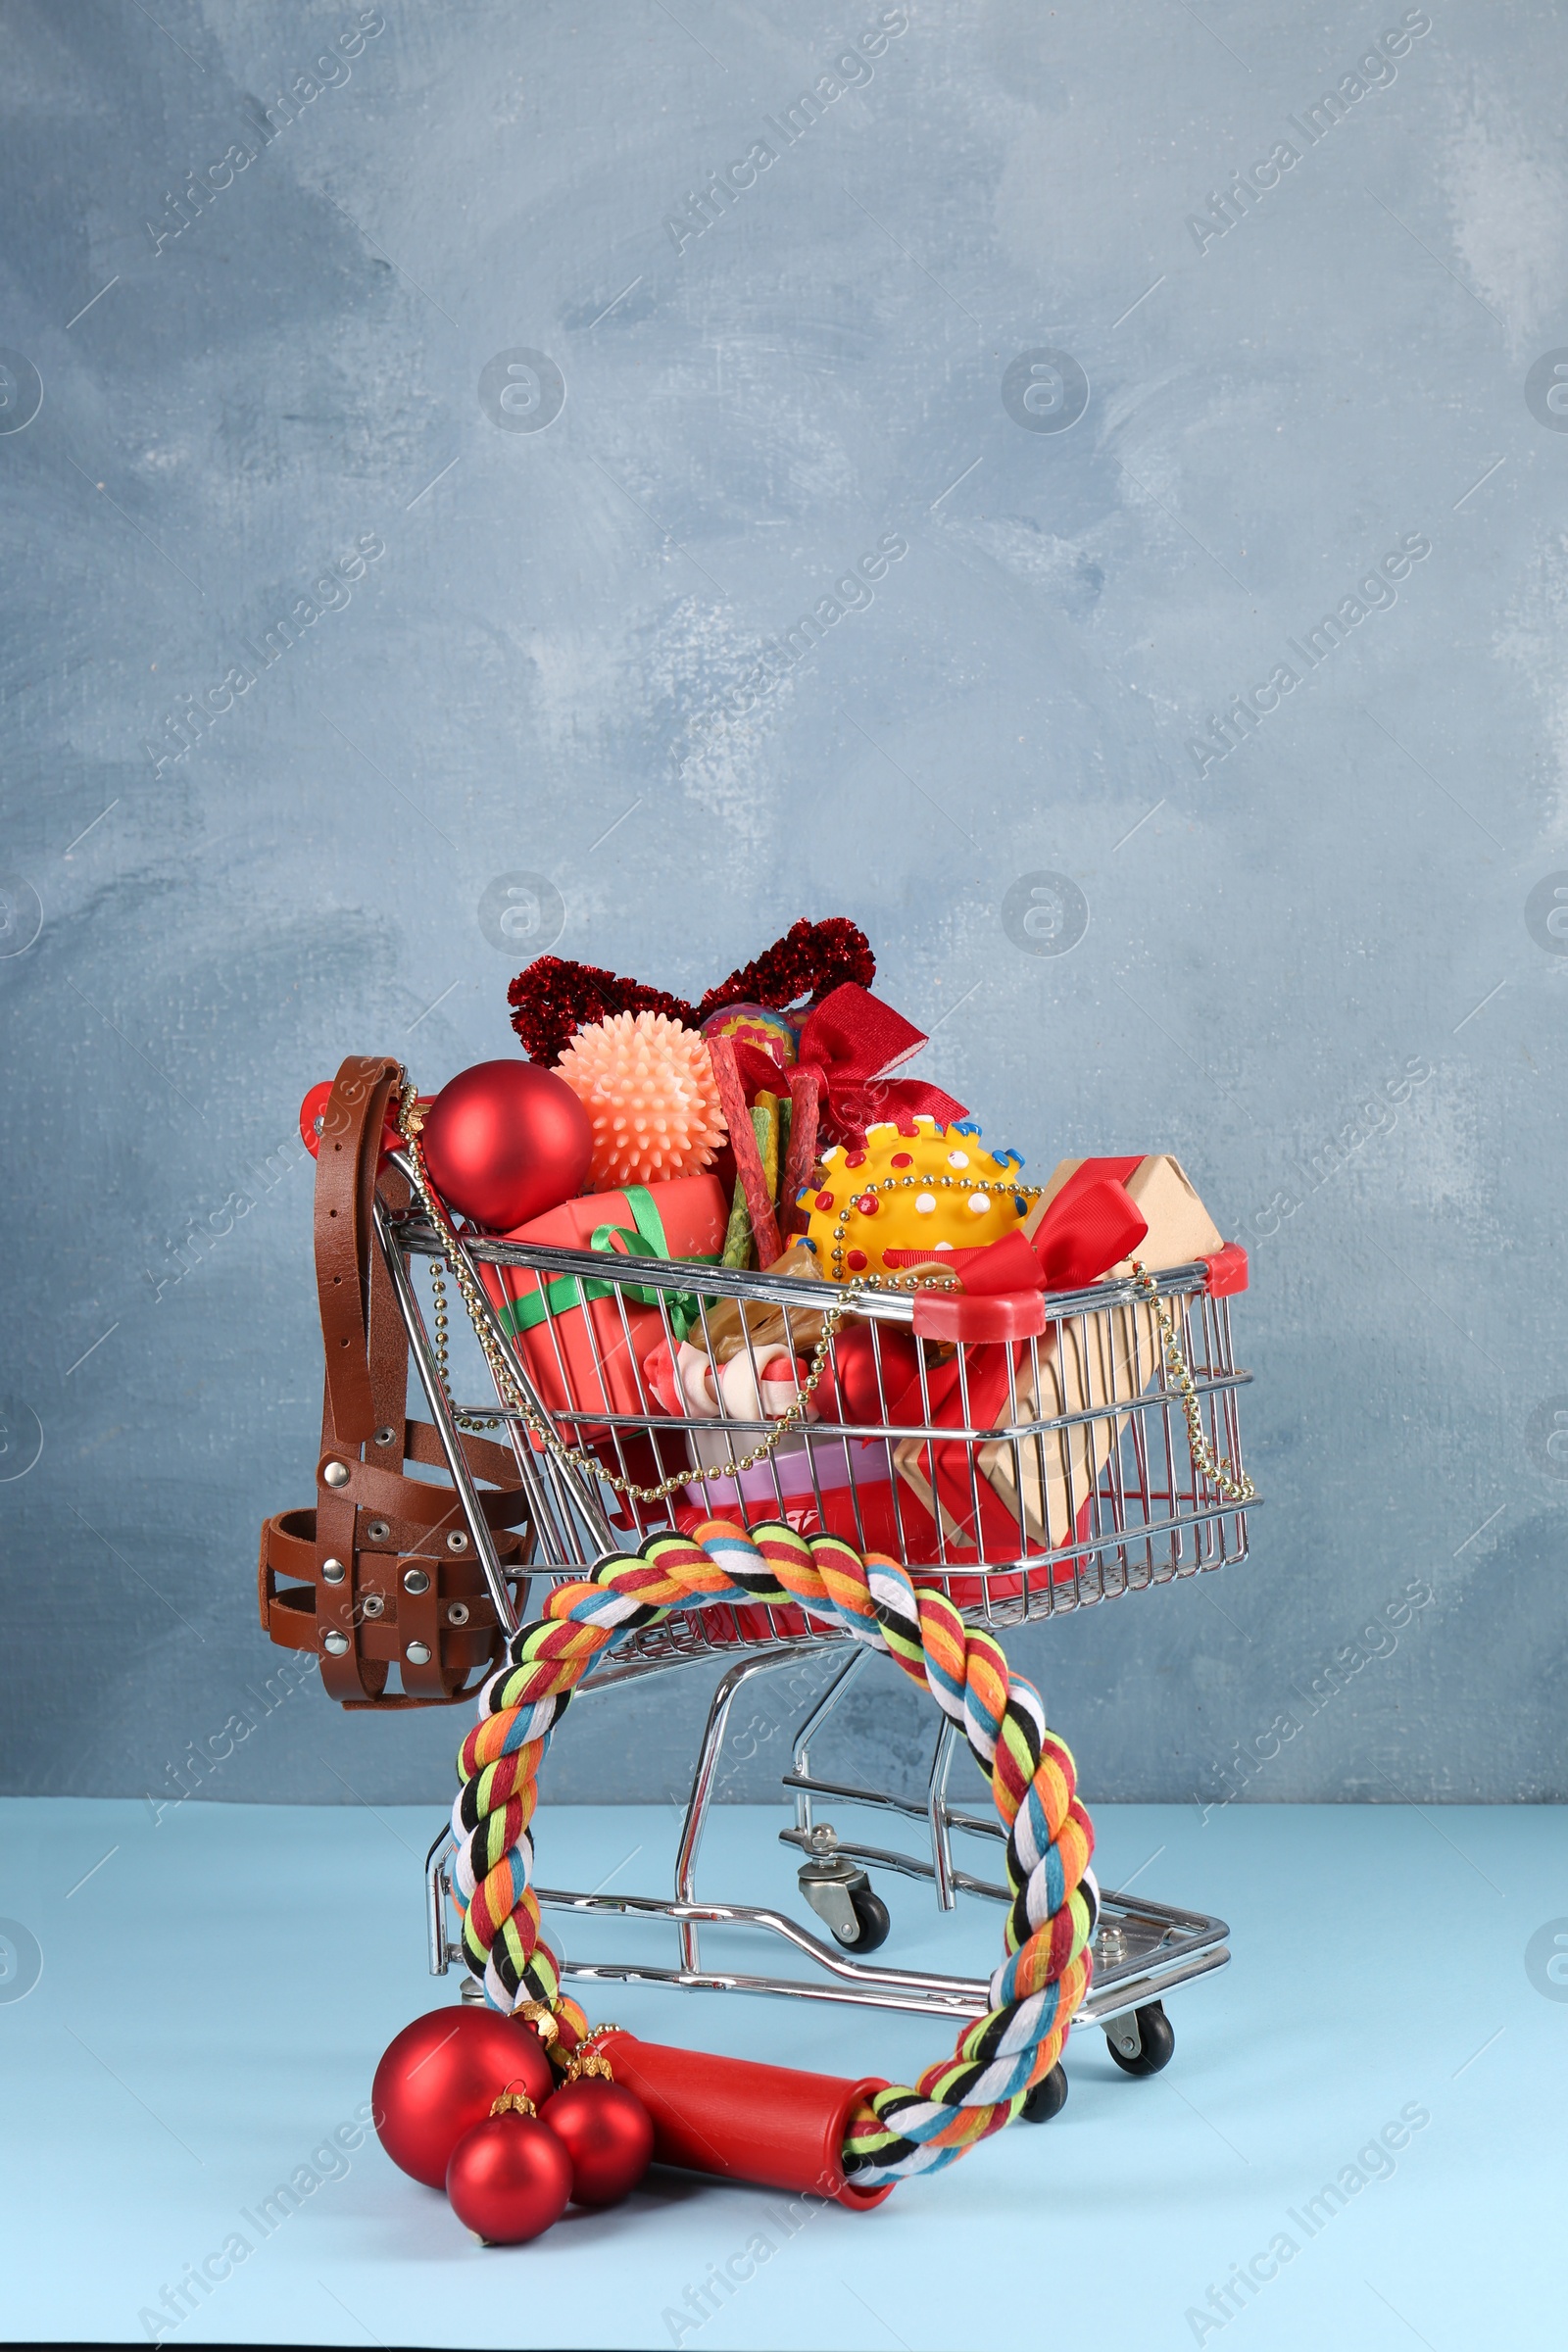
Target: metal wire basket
1103,1475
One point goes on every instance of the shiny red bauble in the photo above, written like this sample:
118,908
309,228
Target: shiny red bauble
438,2078
608,2133
852,1396
505,1141
508,2179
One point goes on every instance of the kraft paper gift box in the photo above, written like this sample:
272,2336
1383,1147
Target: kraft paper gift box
584,1343
1046,1483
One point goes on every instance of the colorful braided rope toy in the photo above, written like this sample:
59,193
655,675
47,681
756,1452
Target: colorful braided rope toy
1046,1973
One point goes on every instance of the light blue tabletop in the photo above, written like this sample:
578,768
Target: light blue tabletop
217,1985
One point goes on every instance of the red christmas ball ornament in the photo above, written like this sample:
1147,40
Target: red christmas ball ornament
608,2133
439,2077
505,1141
510,2177
852,1396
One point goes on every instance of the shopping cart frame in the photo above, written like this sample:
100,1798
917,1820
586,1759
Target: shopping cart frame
1118,1541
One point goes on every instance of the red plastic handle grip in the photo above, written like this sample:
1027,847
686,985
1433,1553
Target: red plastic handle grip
1226,1271
312,1110
951,1315
744,2121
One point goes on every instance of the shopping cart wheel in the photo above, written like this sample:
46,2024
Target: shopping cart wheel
1048,2098
840,1893
1141,2041
872,1918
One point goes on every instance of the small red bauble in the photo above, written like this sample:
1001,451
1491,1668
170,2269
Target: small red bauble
853,1396
608,2135
439,2077
506,1141
508,2179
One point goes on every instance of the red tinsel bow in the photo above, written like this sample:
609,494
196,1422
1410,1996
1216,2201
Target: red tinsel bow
1092,1223
848,1044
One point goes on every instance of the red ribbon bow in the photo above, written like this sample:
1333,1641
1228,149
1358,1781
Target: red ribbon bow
849,1044
1092,1223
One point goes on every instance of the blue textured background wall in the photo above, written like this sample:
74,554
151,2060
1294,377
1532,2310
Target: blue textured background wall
1314,965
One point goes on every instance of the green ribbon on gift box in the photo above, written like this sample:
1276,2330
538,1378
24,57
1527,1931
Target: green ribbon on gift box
648,1239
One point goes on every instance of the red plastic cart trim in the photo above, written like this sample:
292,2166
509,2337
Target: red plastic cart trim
1226,1271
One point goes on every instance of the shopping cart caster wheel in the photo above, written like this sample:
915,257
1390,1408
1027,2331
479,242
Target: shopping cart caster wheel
840,1893
1048,2098
872,1919
1141,2041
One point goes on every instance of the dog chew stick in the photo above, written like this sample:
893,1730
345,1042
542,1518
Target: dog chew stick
801,1157
765,1126
737,1232
743,1142
770,2125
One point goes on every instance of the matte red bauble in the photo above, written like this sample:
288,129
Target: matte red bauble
438,2078
505,1141
852,1396
508,2179
608,2135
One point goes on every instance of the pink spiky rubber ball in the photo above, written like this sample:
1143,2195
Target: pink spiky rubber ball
505,1142
648,1087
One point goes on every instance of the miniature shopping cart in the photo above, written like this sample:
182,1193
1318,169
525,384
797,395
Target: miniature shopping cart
1126,1474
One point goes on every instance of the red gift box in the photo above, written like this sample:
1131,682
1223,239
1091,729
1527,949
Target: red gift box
583,1341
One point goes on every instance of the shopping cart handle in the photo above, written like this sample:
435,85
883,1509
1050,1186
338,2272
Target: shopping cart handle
1008,1315
1226,1271
952,1315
